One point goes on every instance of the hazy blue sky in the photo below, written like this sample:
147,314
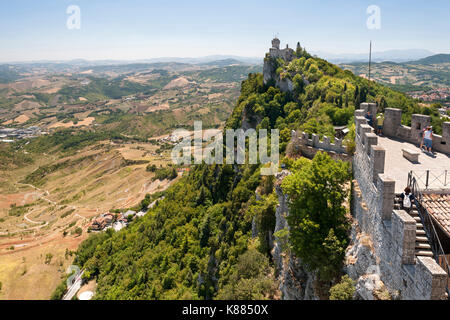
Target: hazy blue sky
138,29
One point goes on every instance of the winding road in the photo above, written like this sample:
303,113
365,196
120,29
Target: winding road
41,224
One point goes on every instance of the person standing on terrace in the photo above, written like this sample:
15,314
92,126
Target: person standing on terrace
428,139
421,136
380,121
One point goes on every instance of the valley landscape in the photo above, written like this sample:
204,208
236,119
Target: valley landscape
58,186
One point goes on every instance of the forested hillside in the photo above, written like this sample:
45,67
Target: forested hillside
197,242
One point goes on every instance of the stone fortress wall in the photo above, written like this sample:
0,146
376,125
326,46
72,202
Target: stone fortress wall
392,232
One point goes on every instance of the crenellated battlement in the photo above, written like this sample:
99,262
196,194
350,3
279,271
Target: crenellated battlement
313,140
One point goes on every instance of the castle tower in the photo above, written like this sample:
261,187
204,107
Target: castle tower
276,43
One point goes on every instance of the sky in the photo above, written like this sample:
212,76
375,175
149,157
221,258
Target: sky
138,29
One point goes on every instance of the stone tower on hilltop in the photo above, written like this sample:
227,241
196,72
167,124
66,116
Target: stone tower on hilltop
287,54
270,65
276,43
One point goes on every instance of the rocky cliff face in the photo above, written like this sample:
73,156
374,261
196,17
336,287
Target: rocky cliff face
295,282
270,75
269,70
362,266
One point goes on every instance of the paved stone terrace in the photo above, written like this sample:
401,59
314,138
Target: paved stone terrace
397,167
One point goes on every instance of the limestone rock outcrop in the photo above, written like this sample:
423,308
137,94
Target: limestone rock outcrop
295,282
361,266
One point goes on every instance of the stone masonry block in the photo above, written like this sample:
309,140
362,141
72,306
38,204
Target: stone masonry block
373,108
392,121
359,113
377,156
370,139
446,132
404,233
363,129
429,273
386,188
315,140
358,122
364,106
294,134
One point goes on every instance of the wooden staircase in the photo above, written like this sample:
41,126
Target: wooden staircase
423,248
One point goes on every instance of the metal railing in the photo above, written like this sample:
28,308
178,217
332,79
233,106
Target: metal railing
430,230
432,179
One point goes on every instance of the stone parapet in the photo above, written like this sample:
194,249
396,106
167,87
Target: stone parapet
393,127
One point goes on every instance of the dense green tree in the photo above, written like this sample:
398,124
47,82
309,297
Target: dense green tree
344,290
249,280
317,216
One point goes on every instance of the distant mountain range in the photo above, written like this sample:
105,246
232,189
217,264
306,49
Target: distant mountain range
209,59
221,59
225,62
390,55
415,56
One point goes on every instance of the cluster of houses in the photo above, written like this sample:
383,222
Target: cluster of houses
177,136
11,134
117,221
437,94
173,138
